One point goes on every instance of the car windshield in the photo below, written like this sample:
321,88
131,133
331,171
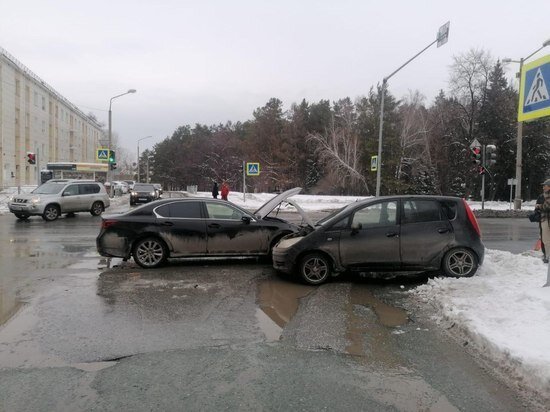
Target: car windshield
330,216
144,188
49,188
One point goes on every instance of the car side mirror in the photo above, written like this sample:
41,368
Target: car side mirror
356,227
246,220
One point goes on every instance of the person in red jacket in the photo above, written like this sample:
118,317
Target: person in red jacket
224,190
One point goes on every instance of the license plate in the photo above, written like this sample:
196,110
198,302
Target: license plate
142,198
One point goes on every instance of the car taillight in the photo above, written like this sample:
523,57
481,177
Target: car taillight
108,223
471,217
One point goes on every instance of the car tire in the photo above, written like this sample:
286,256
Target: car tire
21,216
460,263
315,268
97,209
51,213
150,252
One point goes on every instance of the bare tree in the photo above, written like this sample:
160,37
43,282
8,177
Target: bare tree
339,149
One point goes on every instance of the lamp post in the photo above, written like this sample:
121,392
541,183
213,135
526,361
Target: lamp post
109,177
441,39
519,139
139,140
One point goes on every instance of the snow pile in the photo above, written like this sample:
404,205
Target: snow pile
503,310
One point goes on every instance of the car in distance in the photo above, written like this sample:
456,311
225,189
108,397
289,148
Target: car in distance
58,196
130,184
158,187
192,227
143,193
386,234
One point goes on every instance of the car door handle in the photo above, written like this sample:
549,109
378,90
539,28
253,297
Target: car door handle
167,224
443,230
392,234
214,225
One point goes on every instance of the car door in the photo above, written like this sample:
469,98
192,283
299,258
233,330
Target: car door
71,199
371,239
228,234
182,226
425,232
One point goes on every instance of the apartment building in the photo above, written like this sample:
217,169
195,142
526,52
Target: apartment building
35,118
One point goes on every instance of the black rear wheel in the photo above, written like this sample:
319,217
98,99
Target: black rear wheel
150,252
460,263
51,213
97,209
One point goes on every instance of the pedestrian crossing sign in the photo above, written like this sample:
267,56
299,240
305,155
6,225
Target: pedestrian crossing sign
102,154
252,169
534,97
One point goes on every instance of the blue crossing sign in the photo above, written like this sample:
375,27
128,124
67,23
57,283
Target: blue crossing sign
252,169
534,99
102,154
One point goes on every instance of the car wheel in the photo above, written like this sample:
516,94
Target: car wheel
51,213
97,209
21,216
315,268
459,263
150,252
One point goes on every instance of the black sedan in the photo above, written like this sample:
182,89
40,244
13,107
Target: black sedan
388,234
143,193
192,227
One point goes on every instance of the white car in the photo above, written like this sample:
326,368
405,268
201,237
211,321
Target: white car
120,185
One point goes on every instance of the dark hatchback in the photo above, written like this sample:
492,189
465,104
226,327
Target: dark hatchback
192,227
143,193
386,234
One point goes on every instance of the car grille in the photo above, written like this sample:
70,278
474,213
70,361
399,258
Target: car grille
15,200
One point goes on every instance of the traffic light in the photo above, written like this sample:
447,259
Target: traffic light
490,154
31,158
112,166
476,155
112,156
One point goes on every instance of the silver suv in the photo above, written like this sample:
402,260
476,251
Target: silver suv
59,196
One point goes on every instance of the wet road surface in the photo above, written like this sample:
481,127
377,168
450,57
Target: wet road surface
215,335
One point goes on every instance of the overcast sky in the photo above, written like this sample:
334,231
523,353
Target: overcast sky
212,61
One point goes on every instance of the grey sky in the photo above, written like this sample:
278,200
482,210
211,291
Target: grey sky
214,61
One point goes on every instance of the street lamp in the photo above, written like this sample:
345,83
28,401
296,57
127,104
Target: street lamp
109,177
519,142
441,39
139,140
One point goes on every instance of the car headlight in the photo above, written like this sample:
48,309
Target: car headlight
133,193
286,243
35,200
153,193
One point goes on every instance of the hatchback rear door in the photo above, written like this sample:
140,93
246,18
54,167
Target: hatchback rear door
425,232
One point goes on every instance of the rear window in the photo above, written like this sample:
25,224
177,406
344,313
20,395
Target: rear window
416,211
89,189
449,209
182,210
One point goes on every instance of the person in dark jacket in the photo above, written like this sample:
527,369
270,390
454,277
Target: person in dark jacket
215,190
543,205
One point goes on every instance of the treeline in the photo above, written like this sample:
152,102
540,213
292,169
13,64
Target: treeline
326,147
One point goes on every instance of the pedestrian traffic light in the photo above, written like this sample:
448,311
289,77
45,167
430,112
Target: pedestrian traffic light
476,155
112,166
112,156
490,154
31,158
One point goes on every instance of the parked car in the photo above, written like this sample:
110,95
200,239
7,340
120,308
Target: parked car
58,196
143,193
192,227
387,234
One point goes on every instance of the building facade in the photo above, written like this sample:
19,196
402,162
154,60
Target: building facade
35,118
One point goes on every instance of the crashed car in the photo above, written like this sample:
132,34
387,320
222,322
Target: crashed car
396,234
193,227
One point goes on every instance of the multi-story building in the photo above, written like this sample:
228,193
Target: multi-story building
35,118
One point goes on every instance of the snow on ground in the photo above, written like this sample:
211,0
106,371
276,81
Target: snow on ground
503,310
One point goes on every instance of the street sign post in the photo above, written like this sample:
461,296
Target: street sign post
102,154
534,96
252,169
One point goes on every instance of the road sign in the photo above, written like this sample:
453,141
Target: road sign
373,163
512,182
102,154
475,143
443,34
534,96
252,169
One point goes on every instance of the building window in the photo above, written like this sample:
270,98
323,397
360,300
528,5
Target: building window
43,103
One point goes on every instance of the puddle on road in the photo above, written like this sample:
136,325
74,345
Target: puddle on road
278,302
370,318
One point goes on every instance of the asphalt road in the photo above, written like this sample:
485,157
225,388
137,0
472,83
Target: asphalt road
80,333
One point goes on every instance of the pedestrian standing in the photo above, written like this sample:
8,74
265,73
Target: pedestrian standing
225,190
215,190
543,205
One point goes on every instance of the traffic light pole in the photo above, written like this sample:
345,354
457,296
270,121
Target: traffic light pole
483,177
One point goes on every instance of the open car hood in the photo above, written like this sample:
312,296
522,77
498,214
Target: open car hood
267,207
